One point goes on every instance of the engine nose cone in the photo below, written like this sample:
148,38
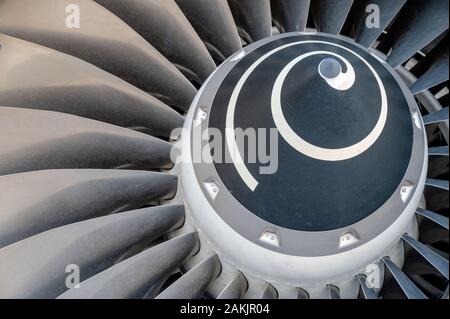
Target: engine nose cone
311,142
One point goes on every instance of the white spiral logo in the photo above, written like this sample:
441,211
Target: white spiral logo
342,81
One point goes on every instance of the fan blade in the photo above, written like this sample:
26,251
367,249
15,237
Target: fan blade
436,260
330,16
235,289
408,287
290,15
436,117
253,18
193,284
333,292
425,285
438,219
417,265
302,294
157,21
433,235
35,140
36,267
101,39
436,74
134,277
415,29
432,289
269,292
368,293
445,293
213,21
437,183
33,202
438,151
387,11
37,77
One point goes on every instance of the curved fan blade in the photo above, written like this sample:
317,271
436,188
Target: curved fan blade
36,267
438,151
157,21
437,72
368,293
333,292
290,15
101,39
330,16
135,276
408,287
418,265
438,219
269,292
302,294
34,202
433,234
436,260
213,21
420,22
253,18
436,117
37,77
34,140
445,293
235,289
437,183
193,283
388,10
426,285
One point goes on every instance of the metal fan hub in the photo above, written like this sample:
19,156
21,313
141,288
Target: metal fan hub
350,150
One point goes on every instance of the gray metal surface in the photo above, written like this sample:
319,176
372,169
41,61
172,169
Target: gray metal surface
330,16
269,292
193,283
408,287
142,274
36,267
319,243
438,151
253,18
368,293
436,117
302,294
146,79
37,201
38,78
438,219
36,140
445,294
290,15
333,292
388,10
436,260
213,21
235,288
437,183
157,21
103,40
426,98
421,22
435,74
